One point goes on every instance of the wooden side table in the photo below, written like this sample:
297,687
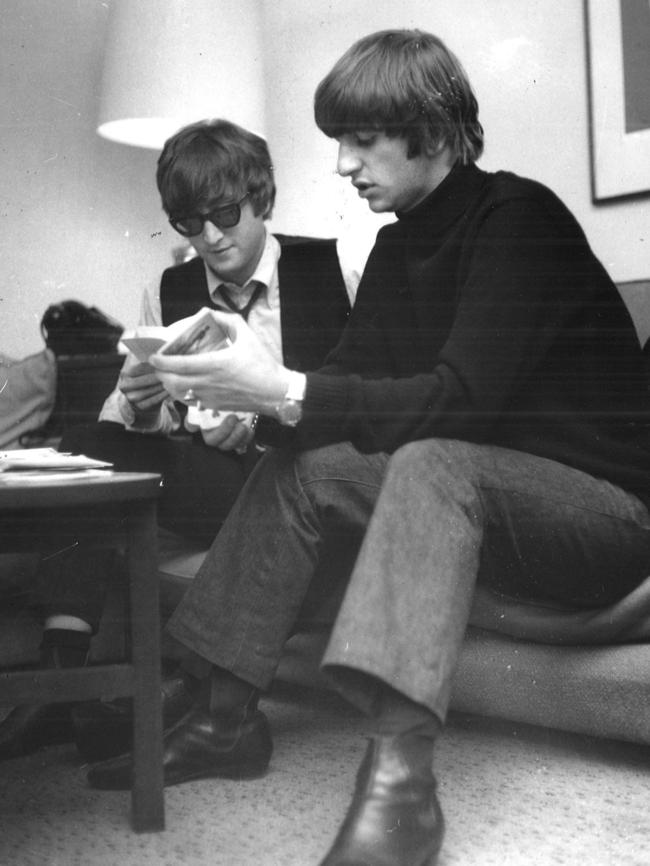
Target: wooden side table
111,509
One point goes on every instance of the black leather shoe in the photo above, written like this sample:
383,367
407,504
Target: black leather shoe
104,729
199,746
32,726
394,818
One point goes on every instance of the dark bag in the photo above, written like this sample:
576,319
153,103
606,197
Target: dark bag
72,328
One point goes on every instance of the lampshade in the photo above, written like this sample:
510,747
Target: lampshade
172,62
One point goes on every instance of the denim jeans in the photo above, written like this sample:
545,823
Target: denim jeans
296,527
423,526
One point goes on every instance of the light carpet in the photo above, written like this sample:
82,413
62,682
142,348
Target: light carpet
513,795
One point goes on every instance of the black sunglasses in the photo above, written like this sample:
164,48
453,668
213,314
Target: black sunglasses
225,217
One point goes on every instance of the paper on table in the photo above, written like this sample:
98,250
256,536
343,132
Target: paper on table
47,459
50,476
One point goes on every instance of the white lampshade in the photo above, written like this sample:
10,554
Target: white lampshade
172,62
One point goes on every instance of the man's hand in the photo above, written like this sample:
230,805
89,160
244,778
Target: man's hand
232,434
141,386
241,377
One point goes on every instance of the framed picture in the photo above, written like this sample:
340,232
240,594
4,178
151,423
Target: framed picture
618,56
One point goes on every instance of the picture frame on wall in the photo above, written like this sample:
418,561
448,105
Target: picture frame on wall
618,58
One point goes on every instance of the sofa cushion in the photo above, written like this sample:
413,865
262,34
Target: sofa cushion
598,691
602,691
626,621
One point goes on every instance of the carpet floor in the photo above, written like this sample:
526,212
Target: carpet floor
513,795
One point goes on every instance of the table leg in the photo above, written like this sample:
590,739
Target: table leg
148,808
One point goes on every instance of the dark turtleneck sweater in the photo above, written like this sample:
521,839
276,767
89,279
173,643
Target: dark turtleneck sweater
483,315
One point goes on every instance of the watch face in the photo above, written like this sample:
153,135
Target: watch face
290,412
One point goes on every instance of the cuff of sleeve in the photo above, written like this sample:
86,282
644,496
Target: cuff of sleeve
142,424
126,410
296,386
326,398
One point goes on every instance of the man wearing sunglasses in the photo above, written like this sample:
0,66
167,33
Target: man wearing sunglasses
216,184
217,188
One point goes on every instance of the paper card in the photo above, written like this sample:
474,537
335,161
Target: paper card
143,347
204,335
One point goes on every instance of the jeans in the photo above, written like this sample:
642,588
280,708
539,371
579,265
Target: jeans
292,535
421,527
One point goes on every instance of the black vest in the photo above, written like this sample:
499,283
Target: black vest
314,304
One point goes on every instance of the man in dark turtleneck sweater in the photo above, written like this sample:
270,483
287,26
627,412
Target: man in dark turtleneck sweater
484,417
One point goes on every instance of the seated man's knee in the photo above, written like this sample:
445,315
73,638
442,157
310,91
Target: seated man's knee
424,460
425,452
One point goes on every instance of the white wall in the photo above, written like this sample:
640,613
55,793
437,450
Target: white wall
81,216
526,60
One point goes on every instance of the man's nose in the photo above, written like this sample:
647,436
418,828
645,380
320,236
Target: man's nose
211,233
347,161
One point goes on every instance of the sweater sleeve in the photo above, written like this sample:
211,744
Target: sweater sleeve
514,300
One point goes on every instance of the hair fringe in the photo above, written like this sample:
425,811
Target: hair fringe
215,160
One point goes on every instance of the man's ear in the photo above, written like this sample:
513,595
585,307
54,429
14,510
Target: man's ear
434,148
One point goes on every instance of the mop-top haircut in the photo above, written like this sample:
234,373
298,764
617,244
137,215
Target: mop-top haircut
215,160
404,83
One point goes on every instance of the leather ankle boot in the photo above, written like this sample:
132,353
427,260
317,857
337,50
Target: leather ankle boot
32,726
395,817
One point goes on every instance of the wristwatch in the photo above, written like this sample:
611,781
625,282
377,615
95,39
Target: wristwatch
289,411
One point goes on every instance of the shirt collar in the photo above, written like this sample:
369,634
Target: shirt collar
263,273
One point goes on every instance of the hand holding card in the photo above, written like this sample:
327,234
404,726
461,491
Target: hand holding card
243,376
